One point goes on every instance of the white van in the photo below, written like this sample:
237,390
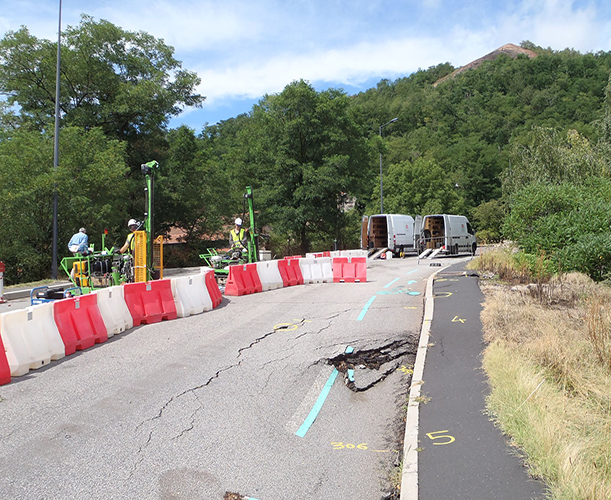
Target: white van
447,235
398,233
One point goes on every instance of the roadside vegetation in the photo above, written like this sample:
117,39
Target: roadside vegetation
475,144
548,360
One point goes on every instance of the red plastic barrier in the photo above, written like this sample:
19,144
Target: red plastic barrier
79,322
349,269
242,280
291,257
5,370
150,302
213,289
290,272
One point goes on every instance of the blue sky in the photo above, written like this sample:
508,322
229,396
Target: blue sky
244,49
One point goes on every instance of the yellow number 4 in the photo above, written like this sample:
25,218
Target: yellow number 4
450,439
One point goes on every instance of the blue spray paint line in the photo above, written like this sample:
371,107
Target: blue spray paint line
412,271
386,286
350,375
307,423
365,309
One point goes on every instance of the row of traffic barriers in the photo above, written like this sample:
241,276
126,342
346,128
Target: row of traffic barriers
33,337
295,270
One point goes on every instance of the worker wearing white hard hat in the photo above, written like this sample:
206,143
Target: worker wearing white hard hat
130,242
237,237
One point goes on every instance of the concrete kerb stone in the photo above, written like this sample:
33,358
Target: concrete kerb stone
409,476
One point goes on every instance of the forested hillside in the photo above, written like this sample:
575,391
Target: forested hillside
474,143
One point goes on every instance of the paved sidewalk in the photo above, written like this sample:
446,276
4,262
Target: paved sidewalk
462,454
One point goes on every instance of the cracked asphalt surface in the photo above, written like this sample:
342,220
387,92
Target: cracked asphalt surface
197,407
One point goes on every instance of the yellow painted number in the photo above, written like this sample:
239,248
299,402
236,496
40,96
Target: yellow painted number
433,436
338,445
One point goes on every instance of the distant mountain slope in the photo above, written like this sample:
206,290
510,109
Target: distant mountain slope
509,49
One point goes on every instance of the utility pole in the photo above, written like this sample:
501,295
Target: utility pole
381,185
56,145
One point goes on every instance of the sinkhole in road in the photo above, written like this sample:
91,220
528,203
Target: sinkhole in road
365,367
233,496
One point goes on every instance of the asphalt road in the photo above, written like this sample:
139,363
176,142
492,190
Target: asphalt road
219,402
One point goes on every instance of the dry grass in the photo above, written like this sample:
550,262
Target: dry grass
549,365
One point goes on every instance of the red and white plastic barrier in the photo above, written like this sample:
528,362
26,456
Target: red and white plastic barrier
318,270
79,322
5,369
269,275
150,302
31,338
243,280
114,311
191,295
349,270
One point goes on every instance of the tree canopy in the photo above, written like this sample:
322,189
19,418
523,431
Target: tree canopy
493,143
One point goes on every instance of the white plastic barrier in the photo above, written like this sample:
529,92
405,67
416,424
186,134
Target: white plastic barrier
316,270
191,295
349,253
31,338
114,310
269,274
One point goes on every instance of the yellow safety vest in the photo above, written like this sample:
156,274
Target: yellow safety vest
236,239
131,242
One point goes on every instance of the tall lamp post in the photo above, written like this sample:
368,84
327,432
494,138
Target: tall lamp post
56,144
381,186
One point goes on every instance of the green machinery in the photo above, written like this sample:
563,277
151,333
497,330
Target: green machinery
221,262
100,269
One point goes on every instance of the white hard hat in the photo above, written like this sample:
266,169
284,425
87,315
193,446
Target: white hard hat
132,222
238,222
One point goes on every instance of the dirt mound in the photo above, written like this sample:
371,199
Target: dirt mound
509,49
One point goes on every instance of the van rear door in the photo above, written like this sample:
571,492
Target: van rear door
364,232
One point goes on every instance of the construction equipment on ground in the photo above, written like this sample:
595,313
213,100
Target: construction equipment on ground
99,269
221,262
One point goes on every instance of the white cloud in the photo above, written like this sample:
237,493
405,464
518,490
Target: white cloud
558,24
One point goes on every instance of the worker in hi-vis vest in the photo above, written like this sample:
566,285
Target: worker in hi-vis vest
130,242
237,239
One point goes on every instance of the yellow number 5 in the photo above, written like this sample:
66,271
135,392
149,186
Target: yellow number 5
450,439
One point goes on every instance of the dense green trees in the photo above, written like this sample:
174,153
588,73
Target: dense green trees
91,186
519,144
312,160
128,84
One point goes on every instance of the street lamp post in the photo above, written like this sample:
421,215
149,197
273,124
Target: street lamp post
56,145
381,184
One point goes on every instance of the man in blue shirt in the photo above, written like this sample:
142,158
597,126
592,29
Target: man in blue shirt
79,243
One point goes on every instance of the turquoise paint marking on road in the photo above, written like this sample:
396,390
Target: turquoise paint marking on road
414,293
307,423
412,271
365,309
386,286
349,350
351,375
411,282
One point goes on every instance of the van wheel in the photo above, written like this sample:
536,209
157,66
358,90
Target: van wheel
473,248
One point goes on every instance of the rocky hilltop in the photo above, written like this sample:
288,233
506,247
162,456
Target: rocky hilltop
509,49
